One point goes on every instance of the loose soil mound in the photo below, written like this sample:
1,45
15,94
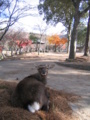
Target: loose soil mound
59,108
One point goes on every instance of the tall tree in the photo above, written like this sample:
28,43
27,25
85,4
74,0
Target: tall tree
87,37
10,12
42,28
78,14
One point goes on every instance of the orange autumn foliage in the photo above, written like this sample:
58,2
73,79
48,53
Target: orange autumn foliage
63,40
55,39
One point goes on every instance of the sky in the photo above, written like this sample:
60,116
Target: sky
36,24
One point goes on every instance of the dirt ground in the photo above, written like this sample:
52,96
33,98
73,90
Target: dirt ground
65,76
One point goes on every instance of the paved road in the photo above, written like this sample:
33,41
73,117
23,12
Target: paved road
60,78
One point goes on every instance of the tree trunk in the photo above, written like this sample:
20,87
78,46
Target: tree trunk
72,52
55,48
39,47
87,37
11,51
69,39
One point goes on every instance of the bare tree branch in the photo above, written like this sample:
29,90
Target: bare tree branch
12,12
